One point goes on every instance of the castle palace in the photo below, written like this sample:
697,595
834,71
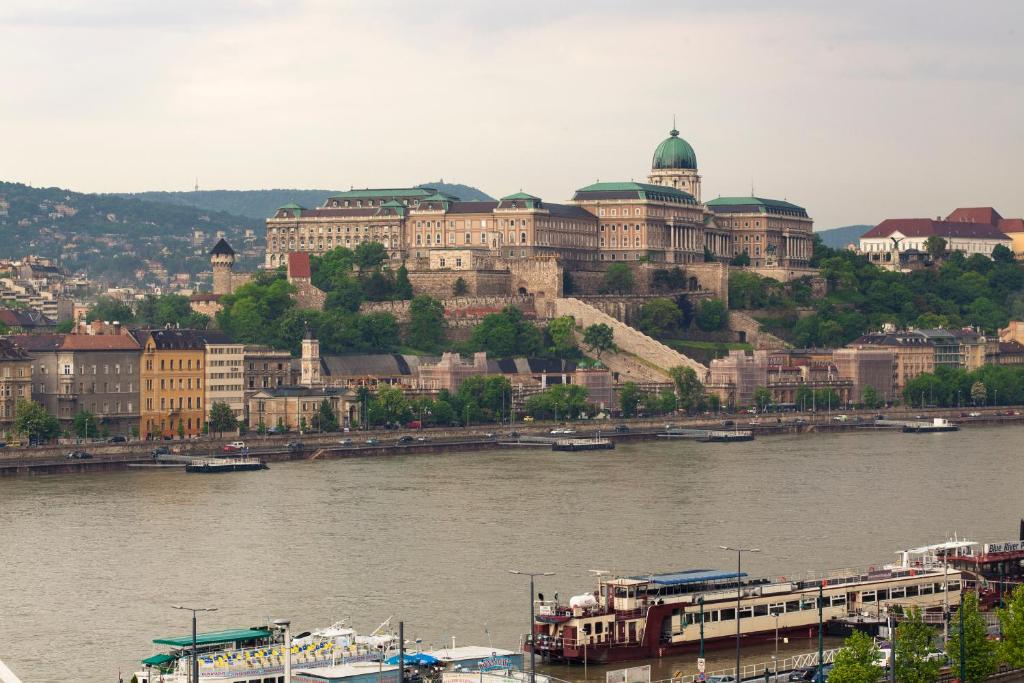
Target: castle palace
661,221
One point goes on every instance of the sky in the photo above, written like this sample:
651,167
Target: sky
856,110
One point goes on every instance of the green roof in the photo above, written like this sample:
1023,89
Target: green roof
521,195
291,205
762,204
157,660
674,152
374,193
644,191
215,637
440,197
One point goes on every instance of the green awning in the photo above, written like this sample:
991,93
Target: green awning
215,637
157,660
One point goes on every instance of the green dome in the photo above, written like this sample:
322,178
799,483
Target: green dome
674,152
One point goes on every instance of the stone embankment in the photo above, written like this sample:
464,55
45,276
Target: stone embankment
750,331
632,341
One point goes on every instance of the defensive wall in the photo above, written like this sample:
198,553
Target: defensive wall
746,329
626,307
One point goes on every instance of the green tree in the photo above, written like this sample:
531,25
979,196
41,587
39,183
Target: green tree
1002,254
629,399
325,420
714,402
567,401
856,661
688,387
562,332
659,317
32,420
870,398
109,309
460,288
63,327
979,394
85,425
1011,618
181,429
507,334
599,338
403,287
618,279
222,418
741,260
426,329
369,255
979,651
913,644
935,246
389,406
762,398
169,309
712,316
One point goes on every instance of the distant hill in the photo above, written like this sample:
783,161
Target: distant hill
838,238
258,204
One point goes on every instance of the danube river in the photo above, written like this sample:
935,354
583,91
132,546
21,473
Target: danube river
91,564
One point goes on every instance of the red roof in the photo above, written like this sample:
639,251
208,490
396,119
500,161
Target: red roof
926,227
1011,224
979,214
99,342
298,265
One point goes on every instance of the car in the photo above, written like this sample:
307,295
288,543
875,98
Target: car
621,429
840,418
3,444
277,430
721,679
78,455
405,439
974,414
513,435
490,435
728,423
160,450
345,442
233,447
528,418
920,417
118,438
422,438
372,442
295,445
879,417
563,431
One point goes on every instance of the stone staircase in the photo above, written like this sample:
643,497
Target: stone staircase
649,355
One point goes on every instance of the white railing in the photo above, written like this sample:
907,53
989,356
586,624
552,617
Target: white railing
763,669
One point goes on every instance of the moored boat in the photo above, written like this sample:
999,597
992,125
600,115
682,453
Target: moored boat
938,424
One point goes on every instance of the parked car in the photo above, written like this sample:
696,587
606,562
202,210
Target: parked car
621,429
277,430
528,418
721,679
372,442
728,423
513,435
3,444
233,447
422,438
490,435
405,439
295,445
118,438
345,442
78,455
563,431
160,450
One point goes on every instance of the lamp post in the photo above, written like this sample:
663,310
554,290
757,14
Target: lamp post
283,625
821,633
533,648
775,657
963,649
739,594
195,657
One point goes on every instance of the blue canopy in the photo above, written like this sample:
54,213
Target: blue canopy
417,658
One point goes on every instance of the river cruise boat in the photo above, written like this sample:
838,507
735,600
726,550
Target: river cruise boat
641,617
257,655
992,569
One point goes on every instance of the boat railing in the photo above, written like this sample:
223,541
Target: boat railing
764,669
267,657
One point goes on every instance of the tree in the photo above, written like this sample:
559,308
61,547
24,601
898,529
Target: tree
85,425
869,397
389,406
709,256
324,419
935,246
562,332
181,429
63,327
979,651
31,419
109,309
1011,618
507,334
856,662
979,394
403,288
688,387
618,279
913,644
599,338
741,260
659,317
567,401
460,288
714,402
369,255
762,398
426,330
222,418
1002,254
629,398
712,316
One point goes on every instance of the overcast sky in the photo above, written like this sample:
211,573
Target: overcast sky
856,110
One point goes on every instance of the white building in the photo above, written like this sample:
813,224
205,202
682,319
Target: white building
962,232
224,377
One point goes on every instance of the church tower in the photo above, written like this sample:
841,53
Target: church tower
310,364
222,258
675,165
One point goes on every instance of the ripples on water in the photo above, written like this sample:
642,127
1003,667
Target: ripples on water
91,563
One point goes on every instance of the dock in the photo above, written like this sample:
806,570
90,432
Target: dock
708,435
217,465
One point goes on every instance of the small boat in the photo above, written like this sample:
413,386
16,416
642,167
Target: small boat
217,465
938,424
597,444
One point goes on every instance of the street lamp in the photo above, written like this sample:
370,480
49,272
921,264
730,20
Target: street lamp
195,657
284,625
739,594
775,657
533,648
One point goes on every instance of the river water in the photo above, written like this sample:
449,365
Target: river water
90,564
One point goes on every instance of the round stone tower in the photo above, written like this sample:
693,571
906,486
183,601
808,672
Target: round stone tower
675,165
222,258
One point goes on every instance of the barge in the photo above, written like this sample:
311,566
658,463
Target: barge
938,424
597,444
217,465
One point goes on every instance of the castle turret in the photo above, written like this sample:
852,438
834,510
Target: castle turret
310,364
222,258
675,165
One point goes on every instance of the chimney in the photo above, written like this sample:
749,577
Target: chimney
117,327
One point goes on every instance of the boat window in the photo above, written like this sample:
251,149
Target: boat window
269,680
883,594
746,612
925,589
838,600
898,592
777,608
954,585
911,591
793,606
938,587
710,617
760,610
598,627
728,614
692,618
869,596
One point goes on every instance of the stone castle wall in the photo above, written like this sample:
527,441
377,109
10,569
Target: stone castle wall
627,307
746,329
440,284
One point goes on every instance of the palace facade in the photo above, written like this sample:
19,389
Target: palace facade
663,220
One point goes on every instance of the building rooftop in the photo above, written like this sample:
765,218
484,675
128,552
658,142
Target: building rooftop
755,205
222,248
632,190
928,227
674,152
